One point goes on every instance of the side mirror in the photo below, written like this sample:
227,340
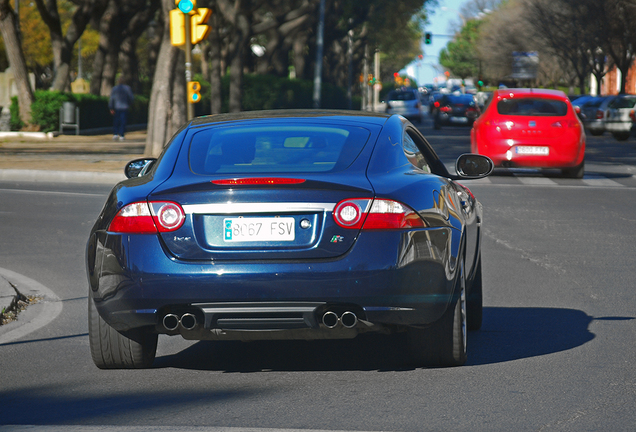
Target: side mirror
474,166
138,167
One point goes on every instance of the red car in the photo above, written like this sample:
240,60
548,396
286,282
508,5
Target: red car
531,128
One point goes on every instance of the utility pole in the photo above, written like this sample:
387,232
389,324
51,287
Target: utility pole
188,63
376,74
365,74
319,52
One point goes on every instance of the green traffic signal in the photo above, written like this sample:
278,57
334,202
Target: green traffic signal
186,6
428,38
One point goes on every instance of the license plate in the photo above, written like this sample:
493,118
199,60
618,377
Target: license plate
258,229
459,119
530,150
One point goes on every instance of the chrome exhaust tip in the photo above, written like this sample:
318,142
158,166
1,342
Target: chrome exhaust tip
330,319
349,319
170,322
188,321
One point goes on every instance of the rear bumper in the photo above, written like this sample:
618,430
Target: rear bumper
560,155
387,278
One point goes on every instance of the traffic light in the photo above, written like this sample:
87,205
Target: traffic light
177,27
186,6
199,28
193,92
427,38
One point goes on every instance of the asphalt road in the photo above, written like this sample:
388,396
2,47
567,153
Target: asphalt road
556,352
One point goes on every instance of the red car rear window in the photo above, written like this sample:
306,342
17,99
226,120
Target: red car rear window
532,107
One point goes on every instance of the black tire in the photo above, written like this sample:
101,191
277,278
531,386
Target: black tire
620,136
574,172
475,301
111,349
595,132
443,344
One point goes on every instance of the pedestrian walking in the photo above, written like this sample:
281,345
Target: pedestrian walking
121,99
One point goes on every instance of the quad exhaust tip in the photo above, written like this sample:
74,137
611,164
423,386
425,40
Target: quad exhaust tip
331,320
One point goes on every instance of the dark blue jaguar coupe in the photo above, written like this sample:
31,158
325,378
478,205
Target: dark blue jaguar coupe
288,225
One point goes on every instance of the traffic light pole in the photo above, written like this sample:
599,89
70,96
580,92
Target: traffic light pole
188,64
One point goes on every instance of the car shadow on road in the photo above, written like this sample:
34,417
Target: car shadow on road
507,334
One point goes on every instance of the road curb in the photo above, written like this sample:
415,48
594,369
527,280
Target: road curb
8,296
60,176
45,311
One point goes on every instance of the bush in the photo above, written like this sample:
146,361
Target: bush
260,92
16,122
264,92
93,110
45,110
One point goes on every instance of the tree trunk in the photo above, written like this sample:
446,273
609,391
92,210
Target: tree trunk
166,111
9,30
214,68
63,45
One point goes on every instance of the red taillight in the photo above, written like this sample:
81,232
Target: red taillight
382,214
436,104
599,114
445,109
632,115
258,181
350,213
148,218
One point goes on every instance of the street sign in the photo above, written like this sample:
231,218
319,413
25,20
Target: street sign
525,65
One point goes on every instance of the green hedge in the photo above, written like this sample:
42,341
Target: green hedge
263,92
93,110
259,92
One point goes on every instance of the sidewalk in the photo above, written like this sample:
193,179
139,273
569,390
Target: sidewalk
66,158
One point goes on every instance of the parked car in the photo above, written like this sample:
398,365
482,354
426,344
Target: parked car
433,97
406,102
593,114
618,120
288,225
455,109
531,128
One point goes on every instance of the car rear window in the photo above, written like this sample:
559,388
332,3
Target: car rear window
461,100
532,107
624,103
407,95
275,148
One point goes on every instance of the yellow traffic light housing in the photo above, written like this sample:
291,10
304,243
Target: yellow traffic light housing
199,30
177,27
198,27
194,94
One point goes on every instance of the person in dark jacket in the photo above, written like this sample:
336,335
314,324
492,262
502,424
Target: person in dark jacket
121,99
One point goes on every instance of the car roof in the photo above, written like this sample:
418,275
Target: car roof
529,92
297,114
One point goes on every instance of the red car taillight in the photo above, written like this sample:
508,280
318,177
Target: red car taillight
379,214
599,114
148,218
445,109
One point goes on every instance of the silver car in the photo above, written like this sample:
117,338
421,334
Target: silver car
594,113
618,121
405,102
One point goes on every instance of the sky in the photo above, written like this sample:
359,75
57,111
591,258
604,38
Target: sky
443,20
